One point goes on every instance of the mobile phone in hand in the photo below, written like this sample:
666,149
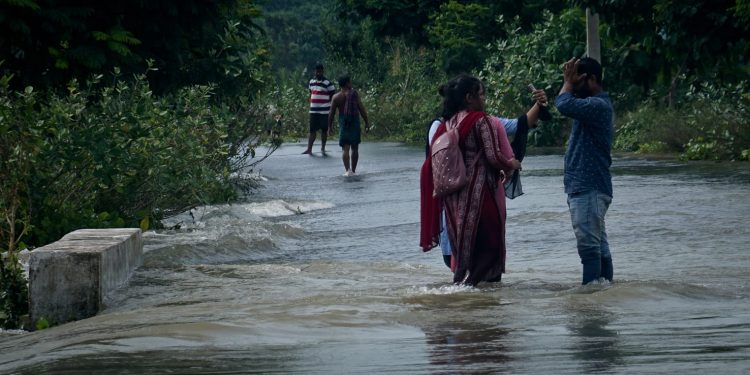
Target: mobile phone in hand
531,88
544,114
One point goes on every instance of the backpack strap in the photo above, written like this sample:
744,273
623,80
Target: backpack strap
464,128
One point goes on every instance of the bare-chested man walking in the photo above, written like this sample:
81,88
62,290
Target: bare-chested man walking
350,107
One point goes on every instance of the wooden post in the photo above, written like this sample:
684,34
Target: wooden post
593,49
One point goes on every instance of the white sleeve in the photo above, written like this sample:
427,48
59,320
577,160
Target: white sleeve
433,130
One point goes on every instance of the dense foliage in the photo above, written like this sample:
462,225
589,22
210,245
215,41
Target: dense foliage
45,43
708,123
678,59
14,294
122,148
291,49
680,75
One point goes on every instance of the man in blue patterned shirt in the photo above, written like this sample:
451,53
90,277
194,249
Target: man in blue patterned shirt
587,180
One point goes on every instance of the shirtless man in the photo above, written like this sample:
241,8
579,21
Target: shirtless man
350,107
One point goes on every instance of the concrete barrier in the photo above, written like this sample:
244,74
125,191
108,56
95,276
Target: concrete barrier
69,279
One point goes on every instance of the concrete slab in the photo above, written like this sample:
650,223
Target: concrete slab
69,279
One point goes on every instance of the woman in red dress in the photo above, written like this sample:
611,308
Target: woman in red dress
473,218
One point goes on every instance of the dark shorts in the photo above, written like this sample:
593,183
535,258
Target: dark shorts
349,130
318,121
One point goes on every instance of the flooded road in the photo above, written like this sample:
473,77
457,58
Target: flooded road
318,273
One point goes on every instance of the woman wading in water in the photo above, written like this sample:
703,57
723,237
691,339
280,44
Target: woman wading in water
473,216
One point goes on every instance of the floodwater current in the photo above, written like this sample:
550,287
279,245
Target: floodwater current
316,273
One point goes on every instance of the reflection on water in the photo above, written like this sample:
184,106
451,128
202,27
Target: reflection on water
318,273
595,343
470,345
211,361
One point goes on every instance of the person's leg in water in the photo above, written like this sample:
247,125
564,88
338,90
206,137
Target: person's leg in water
317,122
355,157
310,141
587,210
345,157
323,139
311,136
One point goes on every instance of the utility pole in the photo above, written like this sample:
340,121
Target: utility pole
593,49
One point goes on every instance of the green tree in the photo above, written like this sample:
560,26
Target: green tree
292,50
742,10
459,32
657,44
391,18
355,49
19,146
45,43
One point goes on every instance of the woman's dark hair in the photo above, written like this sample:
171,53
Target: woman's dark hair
454,93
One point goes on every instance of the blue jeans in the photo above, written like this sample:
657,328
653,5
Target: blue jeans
587,210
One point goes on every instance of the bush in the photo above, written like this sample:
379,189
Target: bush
708,123
401,106
650,124
116,155
722,115
14,294
289,102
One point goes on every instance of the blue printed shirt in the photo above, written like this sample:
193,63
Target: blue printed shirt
588,158
510,125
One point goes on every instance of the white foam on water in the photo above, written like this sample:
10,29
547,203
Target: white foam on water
273,268
278,207
253,176
213,215
226,233
13,332
443,290
412,267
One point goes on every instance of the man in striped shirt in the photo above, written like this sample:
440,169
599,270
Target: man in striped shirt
321,92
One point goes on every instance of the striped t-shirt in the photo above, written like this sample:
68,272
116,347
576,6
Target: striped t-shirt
321,91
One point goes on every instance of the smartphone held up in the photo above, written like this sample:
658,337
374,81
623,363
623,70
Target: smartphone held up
544,114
